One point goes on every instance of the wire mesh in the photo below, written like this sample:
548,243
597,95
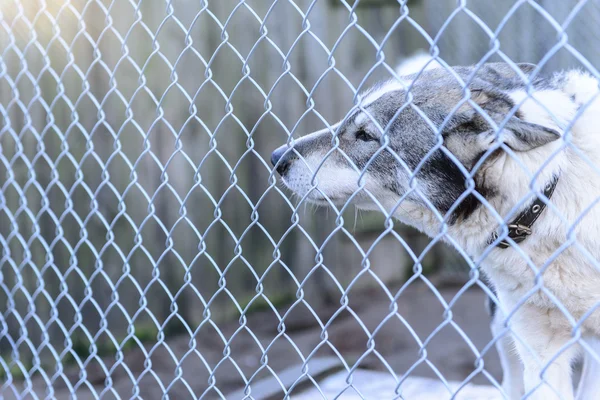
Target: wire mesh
149,251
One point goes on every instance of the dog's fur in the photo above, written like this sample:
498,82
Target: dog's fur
406,173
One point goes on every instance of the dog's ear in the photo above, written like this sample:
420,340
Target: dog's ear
509,70
499,74
488,98
527,68
520,135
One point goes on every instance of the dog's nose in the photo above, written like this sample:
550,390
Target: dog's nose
277,161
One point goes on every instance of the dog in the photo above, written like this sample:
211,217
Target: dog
512,379
500,162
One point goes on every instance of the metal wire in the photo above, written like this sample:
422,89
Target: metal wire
107,149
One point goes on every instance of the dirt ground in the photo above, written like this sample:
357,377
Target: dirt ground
449,350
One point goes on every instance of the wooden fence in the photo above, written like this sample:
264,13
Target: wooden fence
116,147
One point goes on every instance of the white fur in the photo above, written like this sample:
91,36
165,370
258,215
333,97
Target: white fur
336,181
541,327
571,282
390,86
589,385
418,62
512,369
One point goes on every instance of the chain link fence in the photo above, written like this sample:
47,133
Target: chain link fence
148,250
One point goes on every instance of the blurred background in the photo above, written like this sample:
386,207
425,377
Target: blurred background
141,226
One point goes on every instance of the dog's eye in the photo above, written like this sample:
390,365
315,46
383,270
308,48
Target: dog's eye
364,136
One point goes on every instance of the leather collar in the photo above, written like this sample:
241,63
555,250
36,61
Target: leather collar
520,228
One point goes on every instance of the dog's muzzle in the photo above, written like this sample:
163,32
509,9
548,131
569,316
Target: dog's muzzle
280,160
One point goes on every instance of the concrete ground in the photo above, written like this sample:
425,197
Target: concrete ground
379,385
450,351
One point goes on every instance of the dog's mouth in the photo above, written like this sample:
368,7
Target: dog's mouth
322,200
321,194
319,198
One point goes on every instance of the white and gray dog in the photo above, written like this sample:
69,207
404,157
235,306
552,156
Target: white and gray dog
405,173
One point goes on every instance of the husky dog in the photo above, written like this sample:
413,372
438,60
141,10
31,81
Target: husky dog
504,166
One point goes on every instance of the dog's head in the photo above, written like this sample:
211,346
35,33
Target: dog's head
332,164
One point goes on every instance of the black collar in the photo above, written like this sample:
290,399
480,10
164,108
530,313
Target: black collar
520,228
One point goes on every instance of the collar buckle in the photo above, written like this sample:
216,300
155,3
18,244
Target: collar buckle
516,232
520,228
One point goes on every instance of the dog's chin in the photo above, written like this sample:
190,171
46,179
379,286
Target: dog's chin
316,197
327,201
339,200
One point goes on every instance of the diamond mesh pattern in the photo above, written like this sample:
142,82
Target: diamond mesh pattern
146,245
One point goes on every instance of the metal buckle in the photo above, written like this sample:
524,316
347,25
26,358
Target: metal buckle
519,230
516,232
503,244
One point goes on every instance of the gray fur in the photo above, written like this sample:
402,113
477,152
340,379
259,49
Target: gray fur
466,134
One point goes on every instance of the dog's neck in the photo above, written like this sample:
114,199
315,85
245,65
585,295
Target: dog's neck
575,111
521,226
510,176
